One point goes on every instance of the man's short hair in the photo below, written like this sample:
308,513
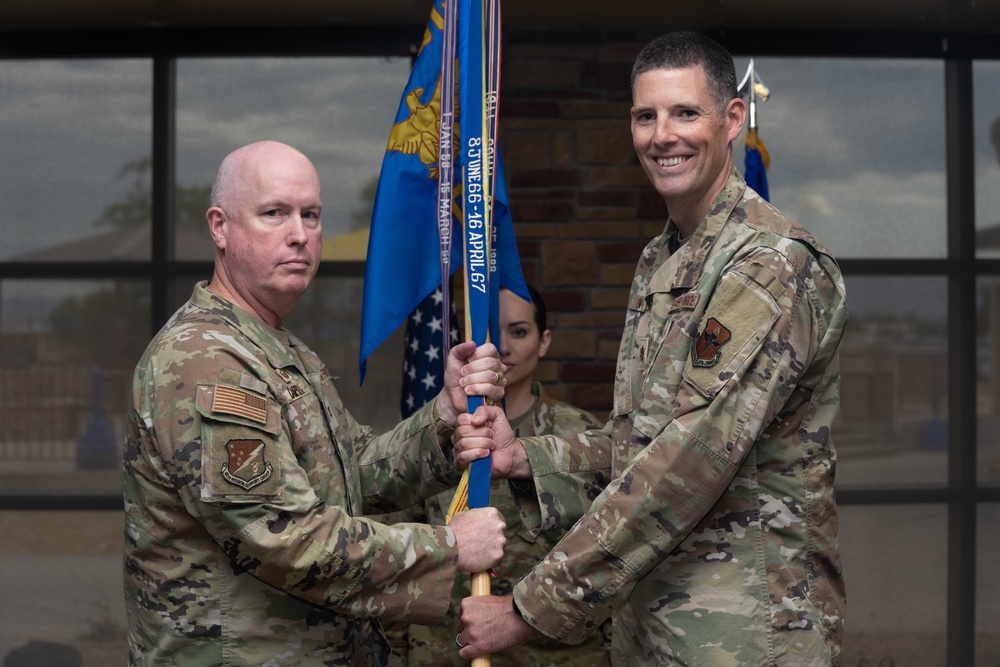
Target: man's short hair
686,48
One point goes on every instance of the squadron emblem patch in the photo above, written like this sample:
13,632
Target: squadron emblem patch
707,349
246,467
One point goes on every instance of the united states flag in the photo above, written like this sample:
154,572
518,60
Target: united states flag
425,353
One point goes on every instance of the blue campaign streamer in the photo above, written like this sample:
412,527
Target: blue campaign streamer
475,170
446,178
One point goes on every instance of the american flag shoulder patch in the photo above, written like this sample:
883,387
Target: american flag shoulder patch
235,401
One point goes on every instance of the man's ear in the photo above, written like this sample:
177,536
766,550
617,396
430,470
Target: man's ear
217,220
736,116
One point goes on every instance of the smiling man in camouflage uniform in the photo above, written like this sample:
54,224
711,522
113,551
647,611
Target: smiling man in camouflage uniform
716,542
245,477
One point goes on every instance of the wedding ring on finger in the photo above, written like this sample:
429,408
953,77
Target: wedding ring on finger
458,640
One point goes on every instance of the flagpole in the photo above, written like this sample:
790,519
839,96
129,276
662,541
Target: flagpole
476,214
757,158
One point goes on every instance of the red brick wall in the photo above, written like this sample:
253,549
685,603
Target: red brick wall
582,207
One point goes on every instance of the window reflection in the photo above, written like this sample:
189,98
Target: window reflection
63,589
987,585
988,380
986,120
894,385
75,140
857,151
338,111
893,559
67,352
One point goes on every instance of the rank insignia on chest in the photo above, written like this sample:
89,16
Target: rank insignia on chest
707,349
246,467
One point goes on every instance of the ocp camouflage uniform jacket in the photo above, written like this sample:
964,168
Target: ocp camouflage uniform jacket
242,496
716,542
525,545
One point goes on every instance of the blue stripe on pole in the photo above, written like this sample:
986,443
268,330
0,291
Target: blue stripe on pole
475,172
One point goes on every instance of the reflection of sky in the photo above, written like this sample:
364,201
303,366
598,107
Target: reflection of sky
857,145
857,151
67,128
986,87
338,111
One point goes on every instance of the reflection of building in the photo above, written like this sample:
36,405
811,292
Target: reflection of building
131,244
988,240
893,386
47,392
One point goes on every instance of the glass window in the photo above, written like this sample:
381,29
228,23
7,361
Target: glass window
67,352
66,588
338,111
894,561
987,586
74,159
988,380
986,118
894,382
857,151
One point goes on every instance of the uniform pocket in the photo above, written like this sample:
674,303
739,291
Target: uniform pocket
240,434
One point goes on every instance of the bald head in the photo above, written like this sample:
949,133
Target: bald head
265,223
235,173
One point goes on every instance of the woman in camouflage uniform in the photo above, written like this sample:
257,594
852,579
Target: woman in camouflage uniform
524,340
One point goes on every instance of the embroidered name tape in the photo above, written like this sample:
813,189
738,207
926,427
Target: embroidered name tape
233,401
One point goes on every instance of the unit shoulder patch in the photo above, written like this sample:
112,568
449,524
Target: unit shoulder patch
707,350
246,467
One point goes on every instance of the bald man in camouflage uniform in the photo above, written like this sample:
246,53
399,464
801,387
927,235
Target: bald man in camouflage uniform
716,543
245,475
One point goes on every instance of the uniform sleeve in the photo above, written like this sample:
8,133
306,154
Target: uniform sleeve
403,467
568,473
228,450
729,392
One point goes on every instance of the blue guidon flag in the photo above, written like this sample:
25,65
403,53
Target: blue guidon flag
410,253
756,163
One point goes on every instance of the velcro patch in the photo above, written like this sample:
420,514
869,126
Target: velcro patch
233,401
707,350
246,466
733,327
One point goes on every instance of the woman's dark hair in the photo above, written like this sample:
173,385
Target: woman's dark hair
541,314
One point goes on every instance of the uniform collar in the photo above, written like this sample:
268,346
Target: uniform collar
689,259
277,344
